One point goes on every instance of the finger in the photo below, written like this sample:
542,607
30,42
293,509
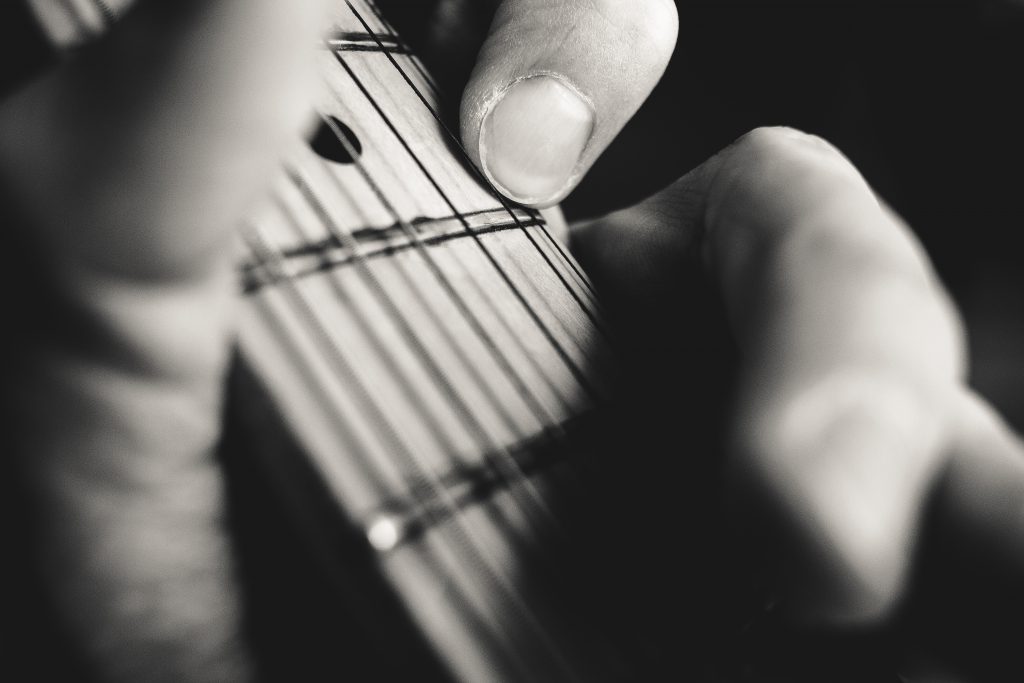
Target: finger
851,353
127,170
852,358
554,84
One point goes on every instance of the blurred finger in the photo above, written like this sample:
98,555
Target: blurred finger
851,352
852,356
554,84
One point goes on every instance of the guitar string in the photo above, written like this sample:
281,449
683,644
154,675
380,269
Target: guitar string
544,417
421,403
513,469
388,26
571,364
416,480
343,140
468,230
468,547
598,325
540,411
559,434
458,144
496,455
583,280
553,652
581,276
554,432
595,319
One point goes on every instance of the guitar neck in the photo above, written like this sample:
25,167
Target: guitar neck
428,347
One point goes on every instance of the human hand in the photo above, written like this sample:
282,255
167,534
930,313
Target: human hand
852,416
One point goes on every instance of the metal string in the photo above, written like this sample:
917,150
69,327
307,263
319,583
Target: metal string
571,365
274,262
419,476
410,232
495,454
423,479
482,177
541,413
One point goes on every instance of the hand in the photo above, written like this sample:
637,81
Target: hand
852,415
124,172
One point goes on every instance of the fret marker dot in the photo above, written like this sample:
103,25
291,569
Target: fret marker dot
325,142
383,534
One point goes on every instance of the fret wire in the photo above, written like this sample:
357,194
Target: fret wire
471,486
458,145
495,453
420,476
322,249
355,47
548,422
570,364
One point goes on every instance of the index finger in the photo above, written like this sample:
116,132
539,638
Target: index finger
852,359
851,355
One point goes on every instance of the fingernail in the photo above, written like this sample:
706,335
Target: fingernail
533,138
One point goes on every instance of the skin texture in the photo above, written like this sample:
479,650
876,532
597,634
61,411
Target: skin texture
146,141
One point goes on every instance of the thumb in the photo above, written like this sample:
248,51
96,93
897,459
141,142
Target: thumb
555,82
